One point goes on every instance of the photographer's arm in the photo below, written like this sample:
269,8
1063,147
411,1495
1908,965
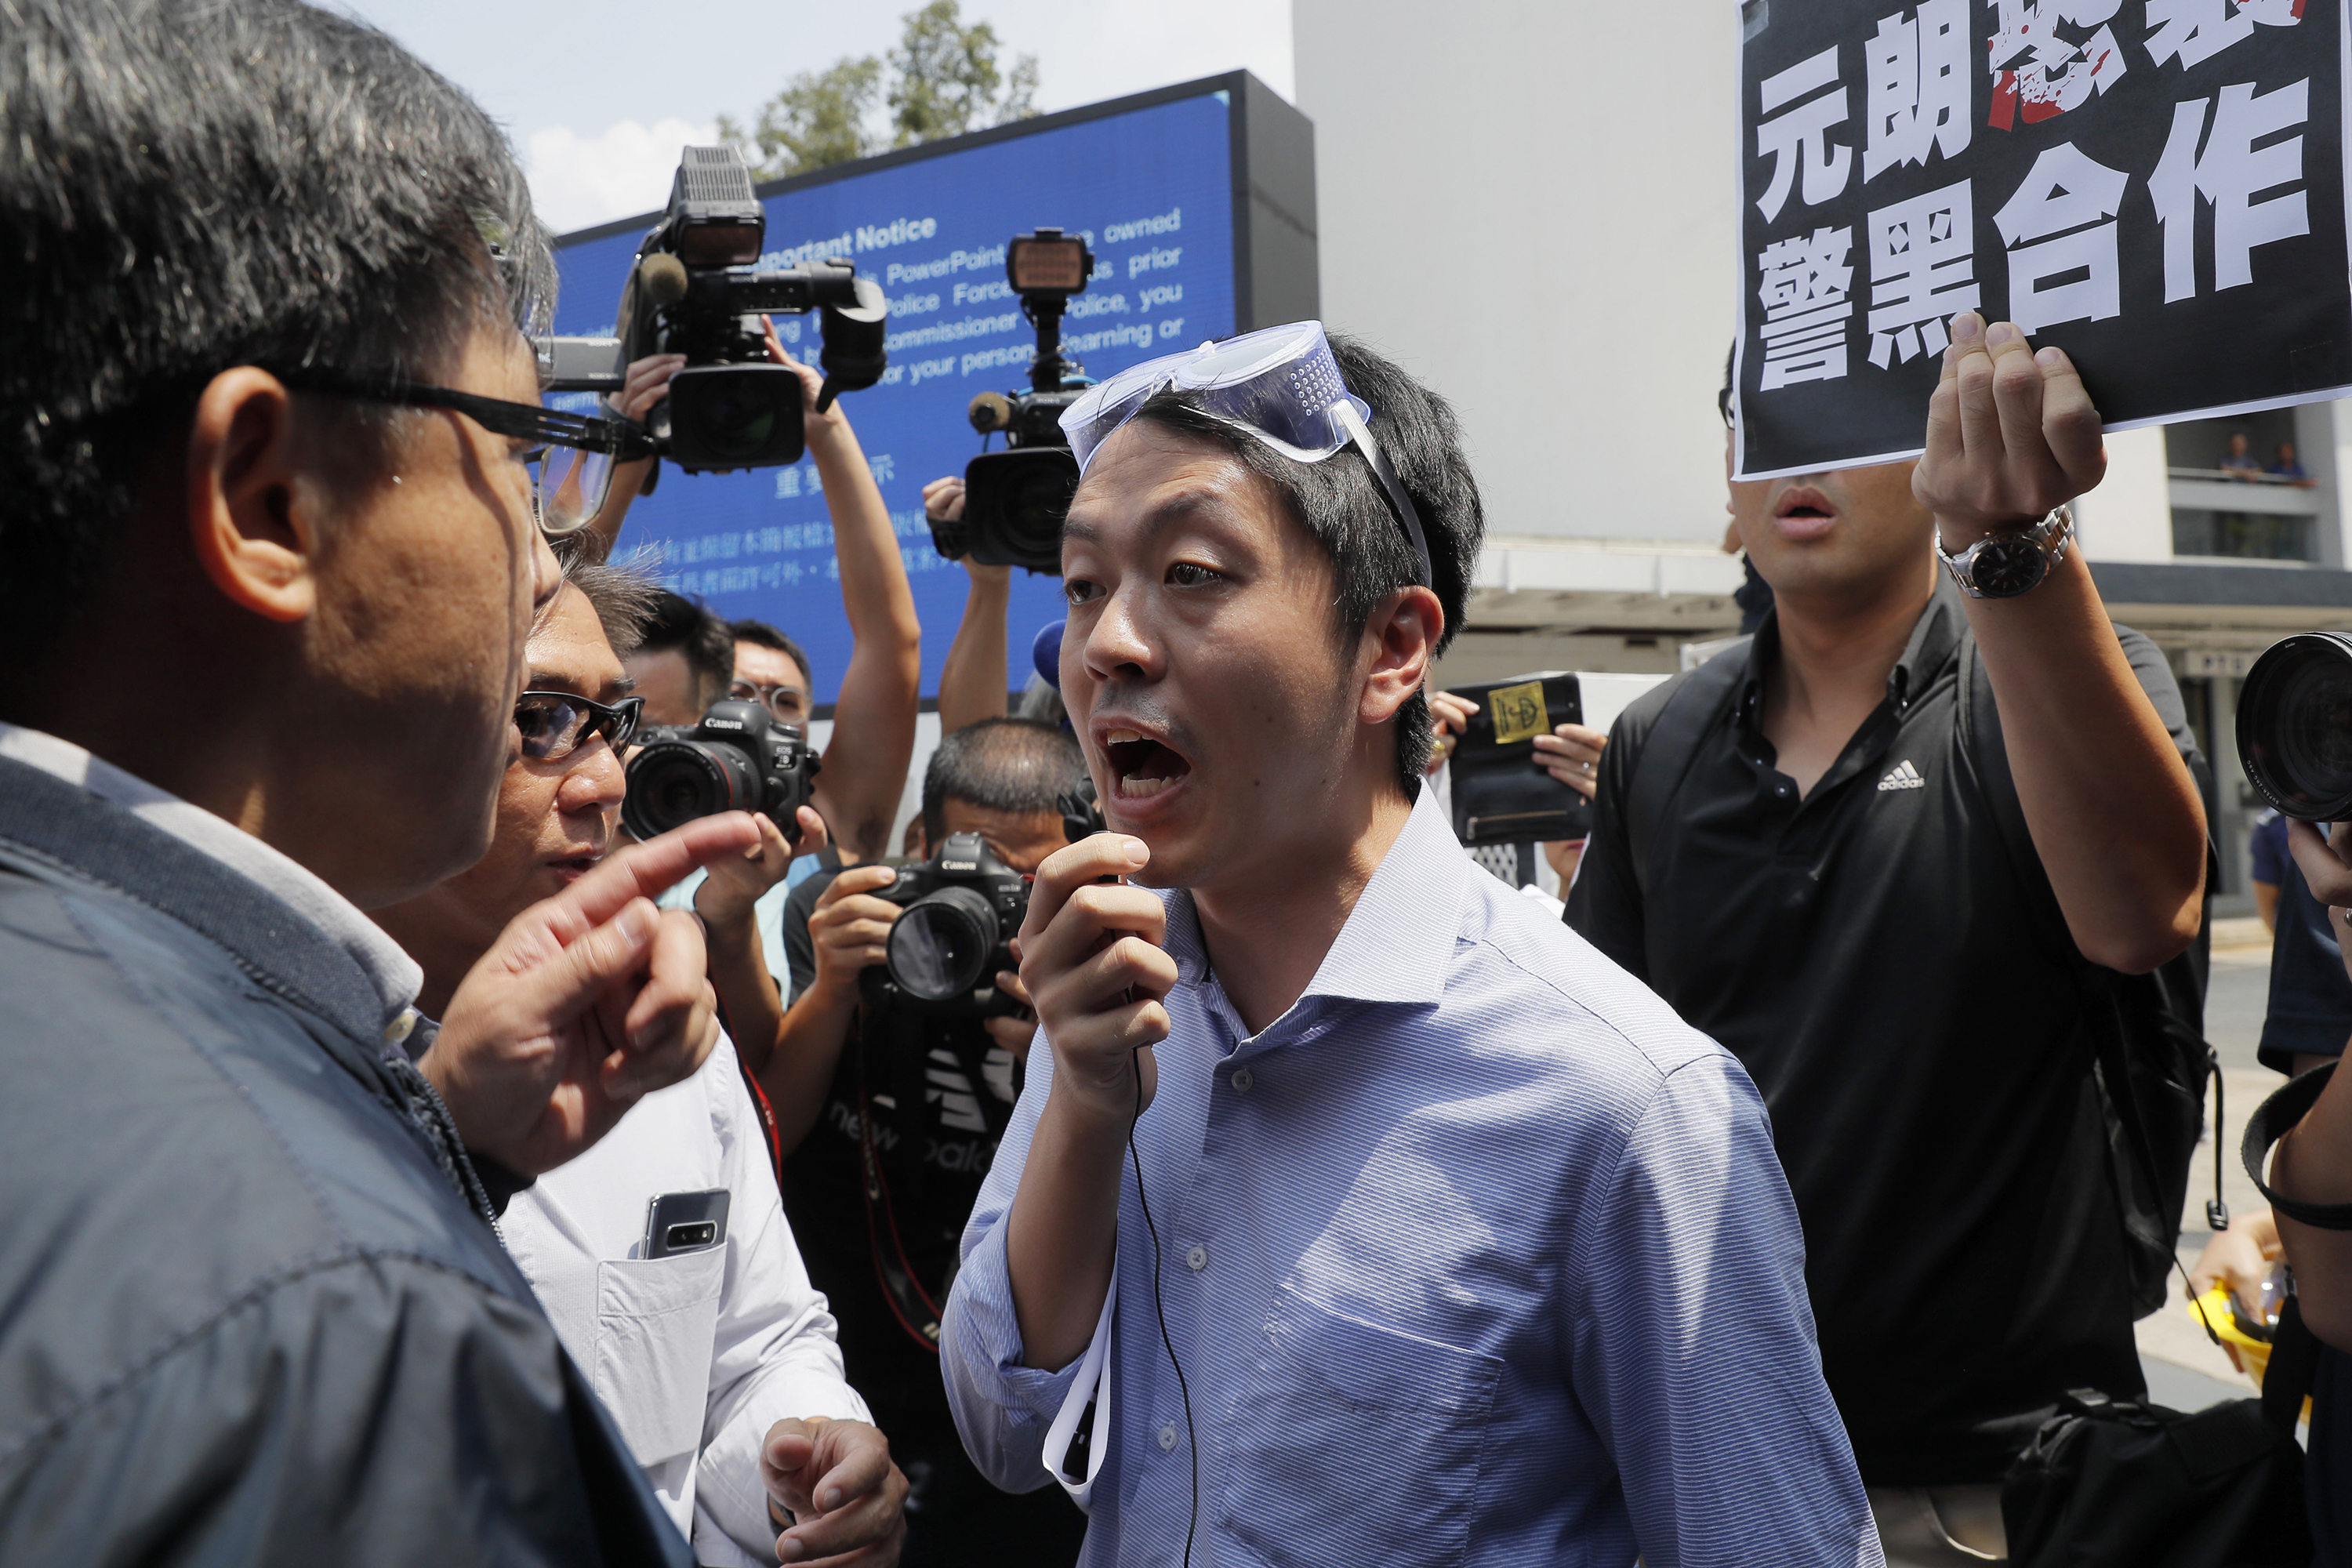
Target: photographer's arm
2313,1162
647,383
874,727
2114,813
847,931
972,683
727,901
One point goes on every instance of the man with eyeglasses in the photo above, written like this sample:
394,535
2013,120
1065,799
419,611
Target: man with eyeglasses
717,1357
267,425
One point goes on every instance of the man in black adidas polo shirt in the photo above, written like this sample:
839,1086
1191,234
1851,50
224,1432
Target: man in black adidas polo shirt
1812,870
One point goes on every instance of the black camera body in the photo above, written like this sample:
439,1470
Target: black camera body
694,290
1016,499
962,908
740,758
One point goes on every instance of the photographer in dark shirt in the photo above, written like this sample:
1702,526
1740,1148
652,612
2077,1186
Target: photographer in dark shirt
1819,882
884,1262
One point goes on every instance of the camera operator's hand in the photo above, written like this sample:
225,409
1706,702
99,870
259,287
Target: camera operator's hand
737,882
836,1480
2240,1257
586,1002
646,384
848,928
1571,753
2327,872
1093,959
943,500
1449,718
833,421
2010,433
1015,1033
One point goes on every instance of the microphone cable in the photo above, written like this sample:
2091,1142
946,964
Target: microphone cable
1192,1441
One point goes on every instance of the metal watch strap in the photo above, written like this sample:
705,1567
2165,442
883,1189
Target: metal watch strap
2054,535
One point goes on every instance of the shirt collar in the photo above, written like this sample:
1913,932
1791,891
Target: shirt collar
1935,639
1396,942
395,976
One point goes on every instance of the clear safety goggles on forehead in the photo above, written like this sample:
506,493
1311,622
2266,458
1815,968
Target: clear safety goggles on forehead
1280,384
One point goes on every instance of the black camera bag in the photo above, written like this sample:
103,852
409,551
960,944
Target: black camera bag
1500,797
2110,1483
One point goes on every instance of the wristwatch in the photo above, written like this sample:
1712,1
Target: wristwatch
2004,566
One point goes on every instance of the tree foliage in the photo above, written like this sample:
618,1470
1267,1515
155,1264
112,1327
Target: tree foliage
942,79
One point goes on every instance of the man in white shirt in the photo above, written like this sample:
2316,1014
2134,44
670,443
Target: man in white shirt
719,1363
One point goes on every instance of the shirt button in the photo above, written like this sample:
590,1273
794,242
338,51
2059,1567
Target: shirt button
1197,1259
1242,1080
1167,1439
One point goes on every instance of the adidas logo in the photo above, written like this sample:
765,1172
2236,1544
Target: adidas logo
1903,776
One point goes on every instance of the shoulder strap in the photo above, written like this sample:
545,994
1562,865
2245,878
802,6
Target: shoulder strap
1672,745
2293,1367
2273,1120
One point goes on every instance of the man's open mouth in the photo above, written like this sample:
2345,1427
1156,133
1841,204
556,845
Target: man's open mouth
1140,766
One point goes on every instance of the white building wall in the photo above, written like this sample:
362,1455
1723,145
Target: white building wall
1529,205
2129,516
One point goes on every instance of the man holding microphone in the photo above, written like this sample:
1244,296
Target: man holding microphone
1443,1239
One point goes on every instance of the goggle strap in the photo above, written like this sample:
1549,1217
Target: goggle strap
1343,413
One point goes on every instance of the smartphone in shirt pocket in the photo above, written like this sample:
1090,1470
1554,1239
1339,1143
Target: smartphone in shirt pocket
656,1321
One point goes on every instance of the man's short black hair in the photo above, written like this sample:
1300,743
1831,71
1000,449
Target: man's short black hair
1342,504
1000,765
766,636
679,625
190,187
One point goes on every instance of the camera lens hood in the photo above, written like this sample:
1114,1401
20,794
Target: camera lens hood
2295,726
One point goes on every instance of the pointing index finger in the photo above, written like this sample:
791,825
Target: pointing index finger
647,871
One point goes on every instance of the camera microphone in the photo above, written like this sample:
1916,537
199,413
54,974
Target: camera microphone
663,277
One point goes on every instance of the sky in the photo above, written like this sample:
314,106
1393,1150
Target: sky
599,98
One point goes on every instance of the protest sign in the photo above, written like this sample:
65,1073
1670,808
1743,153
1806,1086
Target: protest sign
2155,186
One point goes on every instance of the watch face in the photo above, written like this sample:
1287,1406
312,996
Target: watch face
2005,568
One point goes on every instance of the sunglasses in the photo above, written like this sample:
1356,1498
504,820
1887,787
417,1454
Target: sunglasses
571,466
554,724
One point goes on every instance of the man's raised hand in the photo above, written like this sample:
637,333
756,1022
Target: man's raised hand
2010,433
585,1002
1094,966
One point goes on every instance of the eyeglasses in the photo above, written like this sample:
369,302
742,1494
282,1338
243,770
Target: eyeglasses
554,724
789,703
571,469
1723,404
1280,384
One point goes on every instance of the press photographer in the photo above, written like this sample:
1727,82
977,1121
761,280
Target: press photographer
894,1077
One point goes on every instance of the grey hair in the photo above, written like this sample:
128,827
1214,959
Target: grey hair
193,184
622,594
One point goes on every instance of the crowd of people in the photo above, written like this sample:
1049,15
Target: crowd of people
407,1163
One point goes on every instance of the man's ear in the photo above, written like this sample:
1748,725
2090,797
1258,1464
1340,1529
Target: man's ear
253,517
1402,635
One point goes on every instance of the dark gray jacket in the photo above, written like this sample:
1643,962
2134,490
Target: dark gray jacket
245,1315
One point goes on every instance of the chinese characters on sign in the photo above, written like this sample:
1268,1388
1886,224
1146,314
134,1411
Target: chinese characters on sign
2155,186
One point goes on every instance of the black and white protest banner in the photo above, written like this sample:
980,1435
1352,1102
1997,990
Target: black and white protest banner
2156,186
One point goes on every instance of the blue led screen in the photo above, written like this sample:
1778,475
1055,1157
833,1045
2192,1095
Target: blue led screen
1151,187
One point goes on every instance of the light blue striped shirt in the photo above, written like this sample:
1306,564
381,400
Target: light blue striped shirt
1476,1255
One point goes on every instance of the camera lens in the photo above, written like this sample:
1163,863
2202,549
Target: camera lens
673,782
2295,727
939,946
735,416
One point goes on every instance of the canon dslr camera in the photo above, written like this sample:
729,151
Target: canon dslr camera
740,758
963,907
1014,500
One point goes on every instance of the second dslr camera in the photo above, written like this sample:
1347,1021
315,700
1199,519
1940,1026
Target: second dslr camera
962,909
740,758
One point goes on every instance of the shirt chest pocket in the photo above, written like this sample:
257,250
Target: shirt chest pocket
656,1321
1352,1442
